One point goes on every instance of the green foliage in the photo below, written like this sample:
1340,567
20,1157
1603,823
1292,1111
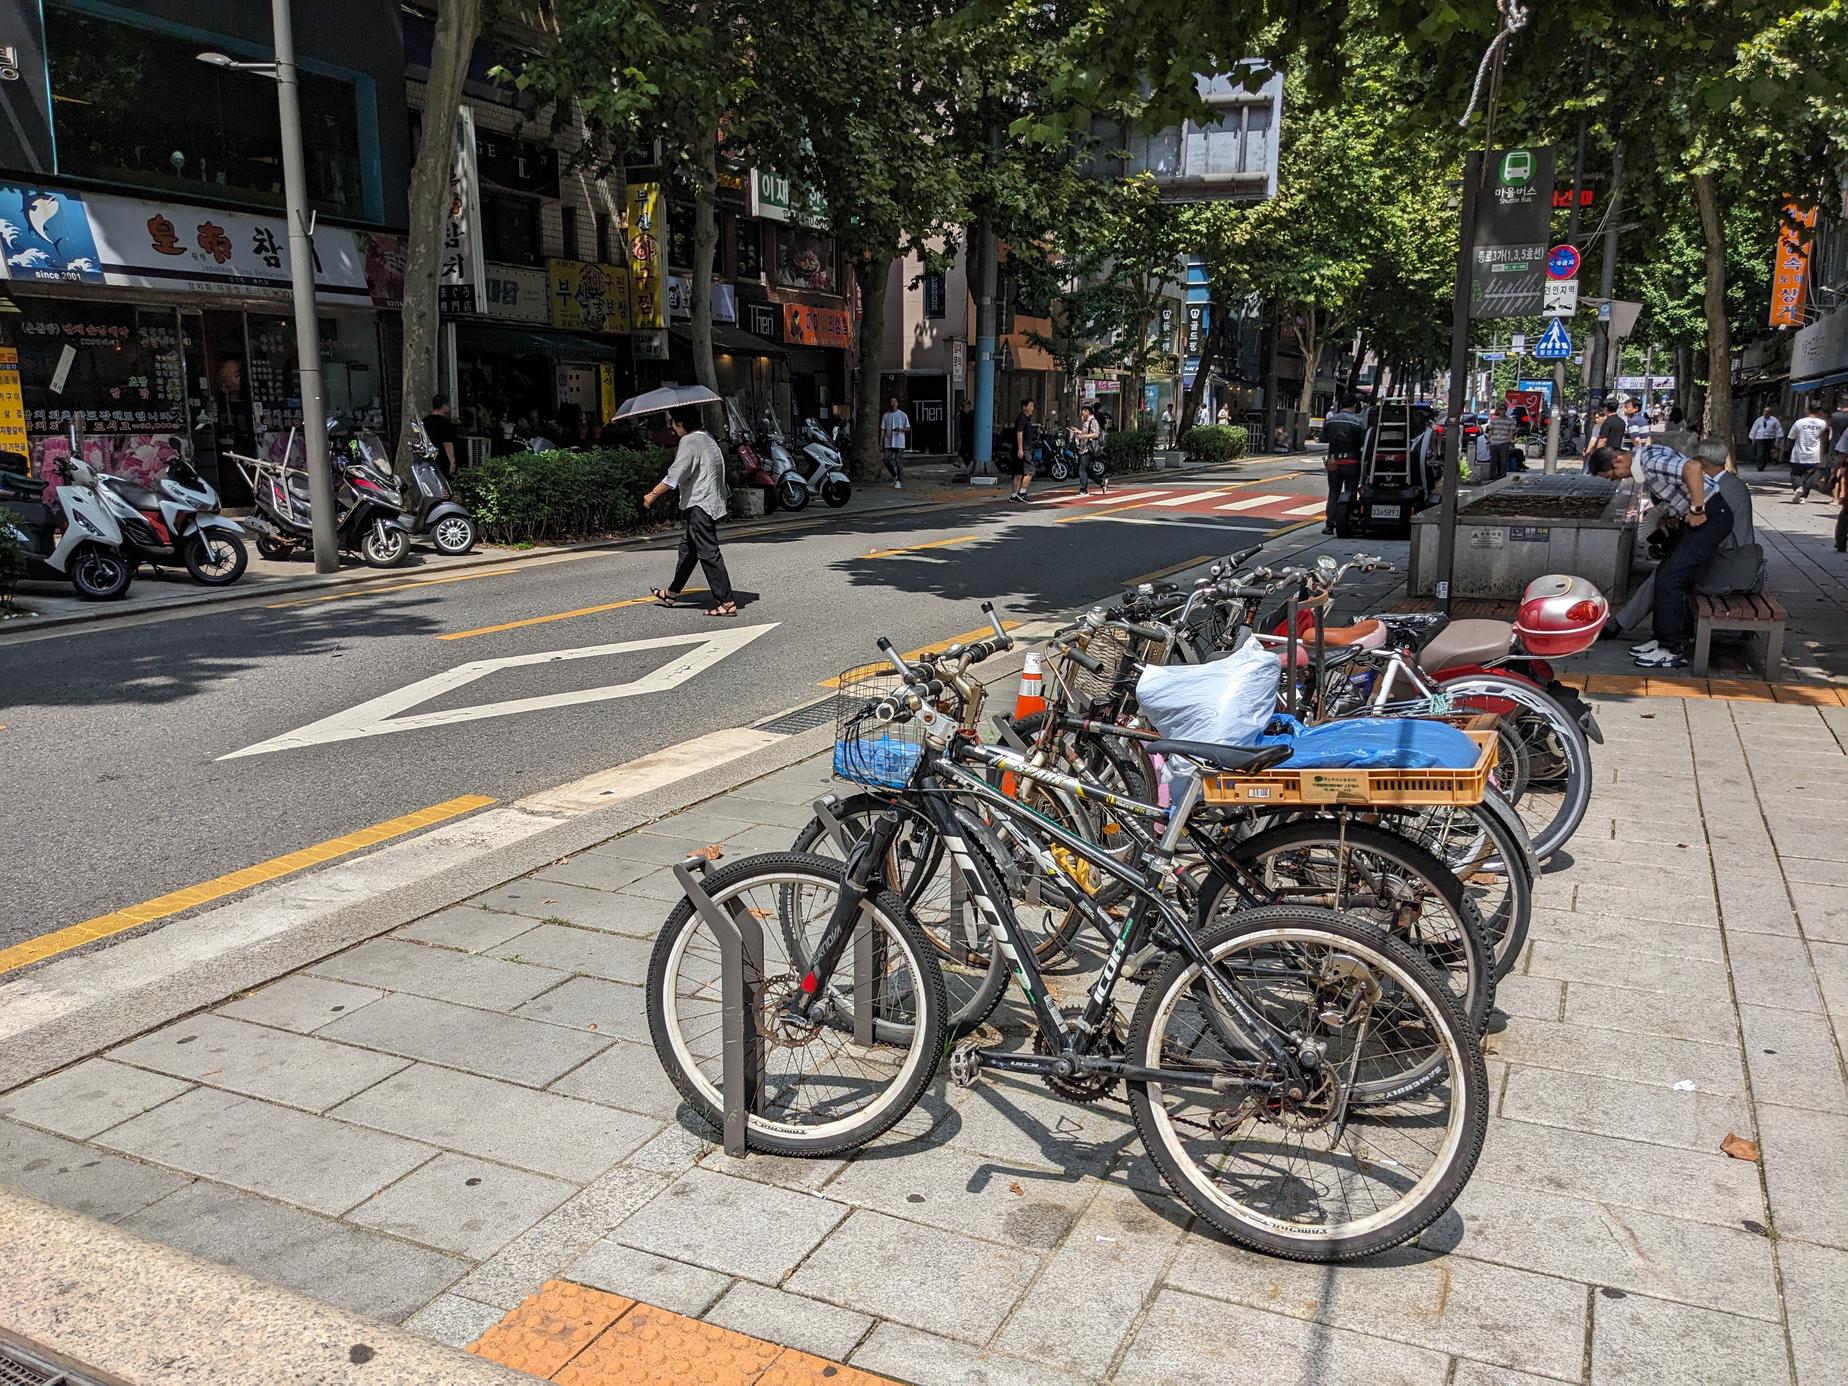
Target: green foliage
1214,442
1129,449
12,564
547,497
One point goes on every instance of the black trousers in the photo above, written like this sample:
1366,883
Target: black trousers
1841,529
1767,451
1682,569
699,543
1343,487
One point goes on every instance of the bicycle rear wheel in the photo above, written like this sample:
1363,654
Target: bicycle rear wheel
1487,848
1321,1176
824,1085
1556,756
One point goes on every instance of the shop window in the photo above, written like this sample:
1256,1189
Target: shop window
510,230
805,260
603,239
680,235
136,108
750,255
934,301
568,222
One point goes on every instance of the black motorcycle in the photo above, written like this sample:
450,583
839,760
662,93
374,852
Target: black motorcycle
368,502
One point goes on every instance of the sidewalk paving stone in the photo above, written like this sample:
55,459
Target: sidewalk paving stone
1695,1120
1806,1170
1755,904
342,1264
1449,1304
582,952
699,1218
438,973
613,1009
905,1354
453,1320
1682,977
461,1204
1707,1018
1815,1289
649,1278
516,1126
466,928
300,1002
276,1065
540,899
484,1042
941,1282
86,1099
1793,1060
1534,998
1831,964
598,869
1823,908
780,1317
1651,1060
1774,972
326,1166
79,1177
627,1076
1698,941
1636,1339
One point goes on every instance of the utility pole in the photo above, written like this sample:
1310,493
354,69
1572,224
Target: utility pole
982,465
1572,229
1460,362
1601,345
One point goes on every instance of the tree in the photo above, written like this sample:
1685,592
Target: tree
458,22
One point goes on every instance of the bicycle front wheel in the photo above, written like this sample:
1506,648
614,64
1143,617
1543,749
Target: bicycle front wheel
1313,1174
818,1086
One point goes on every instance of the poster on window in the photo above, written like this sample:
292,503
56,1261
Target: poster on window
12,404
459,278
805,260
647,272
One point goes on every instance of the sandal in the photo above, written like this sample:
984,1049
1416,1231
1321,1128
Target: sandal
662,596
723,609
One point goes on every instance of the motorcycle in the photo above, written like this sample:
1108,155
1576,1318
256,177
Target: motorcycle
428,504
176,520
821,447
1061,459
818,471
75,536
756,474
368,517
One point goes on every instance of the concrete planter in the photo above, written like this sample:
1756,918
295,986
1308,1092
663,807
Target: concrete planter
1499,553
747,502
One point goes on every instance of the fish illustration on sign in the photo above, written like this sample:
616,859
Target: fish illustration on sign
46,235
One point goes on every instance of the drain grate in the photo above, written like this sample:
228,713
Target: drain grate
802,719
20,1368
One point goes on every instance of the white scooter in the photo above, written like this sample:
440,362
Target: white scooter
89,552
173,521
817,469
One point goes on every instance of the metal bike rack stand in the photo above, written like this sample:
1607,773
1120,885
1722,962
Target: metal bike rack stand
865,947
741,955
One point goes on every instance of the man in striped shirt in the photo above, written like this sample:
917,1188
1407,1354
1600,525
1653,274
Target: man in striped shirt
1700,519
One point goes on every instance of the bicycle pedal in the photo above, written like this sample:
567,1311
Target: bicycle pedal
965,1064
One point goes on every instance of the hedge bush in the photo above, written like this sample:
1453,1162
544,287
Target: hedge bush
546,497
1129,449
1214,442
12,564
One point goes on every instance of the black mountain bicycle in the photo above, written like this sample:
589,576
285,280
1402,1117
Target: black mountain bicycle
1303,1081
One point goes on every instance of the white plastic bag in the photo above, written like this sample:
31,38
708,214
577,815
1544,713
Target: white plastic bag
1228,700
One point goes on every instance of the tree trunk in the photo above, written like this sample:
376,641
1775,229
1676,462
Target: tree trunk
1304,329
457,23
705,248
1360,357
871,273
1719,421
1209,360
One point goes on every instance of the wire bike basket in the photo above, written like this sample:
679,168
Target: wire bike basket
880,755
1382,788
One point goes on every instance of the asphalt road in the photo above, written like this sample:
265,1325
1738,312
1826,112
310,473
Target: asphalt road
113,753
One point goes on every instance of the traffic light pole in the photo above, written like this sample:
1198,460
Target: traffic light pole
1572,227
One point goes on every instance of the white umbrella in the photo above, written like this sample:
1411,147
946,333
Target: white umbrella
667,397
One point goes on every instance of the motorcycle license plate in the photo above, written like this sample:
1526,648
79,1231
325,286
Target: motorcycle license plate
1388,512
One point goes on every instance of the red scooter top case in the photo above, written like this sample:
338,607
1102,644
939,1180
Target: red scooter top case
1560,615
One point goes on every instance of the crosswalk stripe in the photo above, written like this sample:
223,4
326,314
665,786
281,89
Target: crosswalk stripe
1253,502
1315,509
1113,499
1191,496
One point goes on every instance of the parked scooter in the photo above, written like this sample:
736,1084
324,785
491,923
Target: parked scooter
368,517
821,451
75,536
428,504
756,474
176,521
818,469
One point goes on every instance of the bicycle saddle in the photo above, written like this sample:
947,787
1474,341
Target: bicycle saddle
1222,757
1466,642
1367,633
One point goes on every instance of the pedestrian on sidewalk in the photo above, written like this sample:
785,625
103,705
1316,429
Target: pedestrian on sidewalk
1610,430
1840,491
1809,437
440,429
1090,443
1026,438
965,434
1767,432
894,438
1499,430
1344,431
698,475
1699,519
1167,426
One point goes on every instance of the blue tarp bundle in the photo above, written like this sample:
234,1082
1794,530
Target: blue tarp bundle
877,760
1371,743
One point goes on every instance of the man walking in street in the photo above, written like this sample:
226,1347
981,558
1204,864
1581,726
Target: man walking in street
440,429
698,475
1026,438
1702,519
1090,443
894,437
1767,433
1809,439
1499,430
1344,431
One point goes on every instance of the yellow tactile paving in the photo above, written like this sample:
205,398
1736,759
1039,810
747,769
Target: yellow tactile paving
1736,690
134,916
578,1336
551,1327
1741,690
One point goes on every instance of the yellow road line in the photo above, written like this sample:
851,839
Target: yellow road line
913,548
134,916
944,644
366,591
1171,568
562,615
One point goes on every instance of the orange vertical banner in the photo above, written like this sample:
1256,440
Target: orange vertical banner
1790,273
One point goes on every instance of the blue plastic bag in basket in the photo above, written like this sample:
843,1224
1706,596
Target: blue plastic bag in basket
1371,743
877,760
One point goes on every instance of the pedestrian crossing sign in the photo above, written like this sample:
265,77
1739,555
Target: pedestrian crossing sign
1554,344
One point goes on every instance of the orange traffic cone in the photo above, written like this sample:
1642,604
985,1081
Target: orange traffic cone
1027,701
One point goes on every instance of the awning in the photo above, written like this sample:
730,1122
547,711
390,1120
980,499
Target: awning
540,341
727,338
1819,382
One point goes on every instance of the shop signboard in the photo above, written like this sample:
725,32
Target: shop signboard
1790,271
805,261
680,300
12,404
1513,231
98,238
1819,349
761,319
822,327
25,91
516,166
516,293
459,274
778,197
588,297
647,225
959,362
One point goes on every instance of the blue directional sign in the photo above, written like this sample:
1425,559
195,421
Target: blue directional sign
1554,344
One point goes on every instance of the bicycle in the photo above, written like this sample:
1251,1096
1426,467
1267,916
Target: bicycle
1302,1081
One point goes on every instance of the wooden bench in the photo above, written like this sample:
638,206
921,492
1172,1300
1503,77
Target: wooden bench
1760,613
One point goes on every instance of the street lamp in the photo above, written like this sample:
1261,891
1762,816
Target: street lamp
301,279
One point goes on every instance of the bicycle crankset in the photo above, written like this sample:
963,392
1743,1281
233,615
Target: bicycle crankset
1086,1087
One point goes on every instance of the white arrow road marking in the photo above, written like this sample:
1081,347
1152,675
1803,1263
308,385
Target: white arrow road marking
379,715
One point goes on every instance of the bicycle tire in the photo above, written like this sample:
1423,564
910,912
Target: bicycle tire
1404,982
1454,942
920,1031
974,982
1488,853
1548,731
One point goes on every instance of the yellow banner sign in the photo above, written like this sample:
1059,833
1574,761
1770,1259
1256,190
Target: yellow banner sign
12,404
647,257
588,297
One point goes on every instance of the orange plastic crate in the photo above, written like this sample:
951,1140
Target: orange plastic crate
1387,788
